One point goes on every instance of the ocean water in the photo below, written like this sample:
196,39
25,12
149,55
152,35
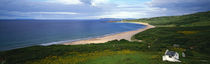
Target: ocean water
23,33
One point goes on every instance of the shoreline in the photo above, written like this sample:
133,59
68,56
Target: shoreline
123,35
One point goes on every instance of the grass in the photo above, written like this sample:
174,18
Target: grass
76,57
102,57
191,40
134,58
20,56
190,32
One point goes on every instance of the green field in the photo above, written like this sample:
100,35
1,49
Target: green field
190,32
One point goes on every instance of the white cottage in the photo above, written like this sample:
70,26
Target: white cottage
171,56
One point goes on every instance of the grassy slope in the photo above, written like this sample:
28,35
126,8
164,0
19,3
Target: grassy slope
122,51
187,31
191,32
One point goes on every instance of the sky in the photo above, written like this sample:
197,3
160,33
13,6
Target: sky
95,9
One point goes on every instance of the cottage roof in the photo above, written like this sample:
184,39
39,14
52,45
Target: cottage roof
171,53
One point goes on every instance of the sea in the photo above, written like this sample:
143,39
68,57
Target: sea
23,33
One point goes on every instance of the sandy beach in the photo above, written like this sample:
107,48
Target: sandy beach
118,36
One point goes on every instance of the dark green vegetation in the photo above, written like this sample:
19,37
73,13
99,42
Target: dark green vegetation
121,50
189,32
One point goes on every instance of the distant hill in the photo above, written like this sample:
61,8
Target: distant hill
196,19
116,19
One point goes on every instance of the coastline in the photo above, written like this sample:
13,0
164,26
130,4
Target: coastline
123,35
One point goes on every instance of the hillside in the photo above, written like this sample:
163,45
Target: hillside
197,19
190,32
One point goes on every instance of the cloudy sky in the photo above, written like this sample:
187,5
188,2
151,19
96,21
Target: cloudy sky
94,9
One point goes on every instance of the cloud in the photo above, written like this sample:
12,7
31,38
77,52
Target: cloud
62,13
121,14
181,6
79,2
99,2
92,9
36,15
67,2
86,1
33,13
